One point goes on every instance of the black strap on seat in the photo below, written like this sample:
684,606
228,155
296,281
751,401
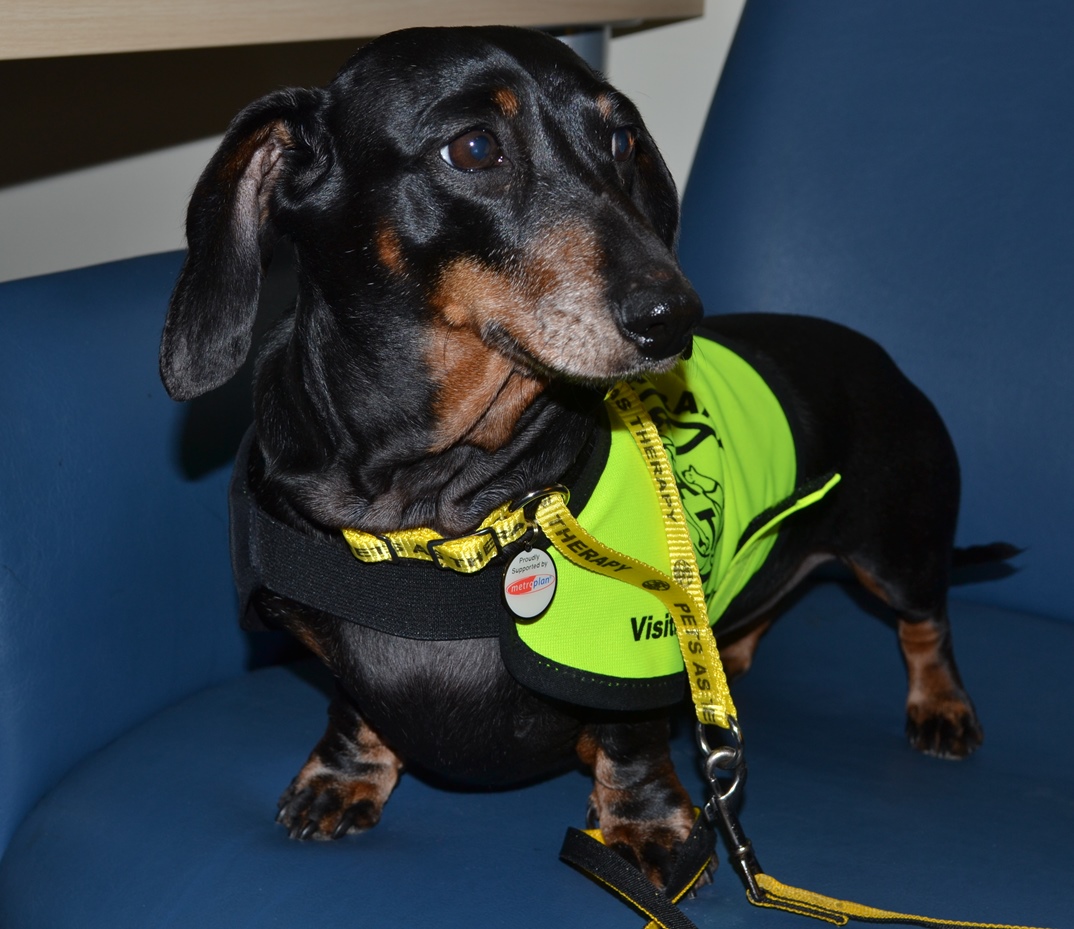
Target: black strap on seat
697,857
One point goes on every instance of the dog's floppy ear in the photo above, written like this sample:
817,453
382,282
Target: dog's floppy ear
654,190
273,150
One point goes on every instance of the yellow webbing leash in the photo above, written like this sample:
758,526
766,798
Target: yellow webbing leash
683,596
840,912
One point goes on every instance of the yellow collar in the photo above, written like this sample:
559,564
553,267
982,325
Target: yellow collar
465,554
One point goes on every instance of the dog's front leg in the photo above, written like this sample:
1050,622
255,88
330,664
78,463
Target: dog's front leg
345,783
643,810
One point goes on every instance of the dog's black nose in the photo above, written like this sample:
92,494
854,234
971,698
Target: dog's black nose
660,322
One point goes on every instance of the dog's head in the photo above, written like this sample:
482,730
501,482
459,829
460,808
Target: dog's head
480,186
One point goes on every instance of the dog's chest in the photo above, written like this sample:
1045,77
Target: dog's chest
608,643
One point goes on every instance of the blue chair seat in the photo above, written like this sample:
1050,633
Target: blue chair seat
172,823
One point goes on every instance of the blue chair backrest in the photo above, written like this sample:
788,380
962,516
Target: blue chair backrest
905,167
116,596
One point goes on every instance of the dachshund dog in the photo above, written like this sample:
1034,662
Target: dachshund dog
485,239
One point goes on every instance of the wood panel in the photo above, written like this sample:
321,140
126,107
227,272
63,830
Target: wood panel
43,28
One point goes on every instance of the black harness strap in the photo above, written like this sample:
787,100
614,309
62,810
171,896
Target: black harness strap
696,857
409,600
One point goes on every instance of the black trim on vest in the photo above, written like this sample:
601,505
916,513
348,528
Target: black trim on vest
585,688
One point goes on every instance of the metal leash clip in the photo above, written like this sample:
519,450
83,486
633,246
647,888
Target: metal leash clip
528,505
529,502
730,760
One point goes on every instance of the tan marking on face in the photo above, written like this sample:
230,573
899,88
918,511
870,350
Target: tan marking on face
500,330
604,105
503,332
546,310
482,393
390,249
506,101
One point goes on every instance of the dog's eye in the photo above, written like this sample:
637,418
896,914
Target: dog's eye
623,143
473,151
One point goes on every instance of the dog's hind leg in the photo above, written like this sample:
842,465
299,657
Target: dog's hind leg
643,810
737,654
345,783
940,717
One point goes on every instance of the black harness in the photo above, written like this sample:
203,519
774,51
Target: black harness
402,598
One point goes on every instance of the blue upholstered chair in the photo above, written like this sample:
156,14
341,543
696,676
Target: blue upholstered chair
902,167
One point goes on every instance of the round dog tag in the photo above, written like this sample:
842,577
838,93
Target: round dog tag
529,583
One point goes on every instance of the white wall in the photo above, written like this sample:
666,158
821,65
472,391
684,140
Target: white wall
135,206
132,206
670,73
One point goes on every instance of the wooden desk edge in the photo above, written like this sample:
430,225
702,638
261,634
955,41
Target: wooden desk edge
52,28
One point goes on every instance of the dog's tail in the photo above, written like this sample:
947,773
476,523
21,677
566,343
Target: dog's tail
984,554
977,563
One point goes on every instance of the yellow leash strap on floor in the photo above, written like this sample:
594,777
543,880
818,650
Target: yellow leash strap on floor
840,912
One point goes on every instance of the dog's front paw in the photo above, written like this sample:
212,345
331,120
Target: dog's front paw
344,785
643,810
322,803
946,727
652,847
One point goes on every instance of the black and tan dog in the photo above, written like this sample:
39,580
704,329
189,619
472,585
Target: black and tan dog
485,236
